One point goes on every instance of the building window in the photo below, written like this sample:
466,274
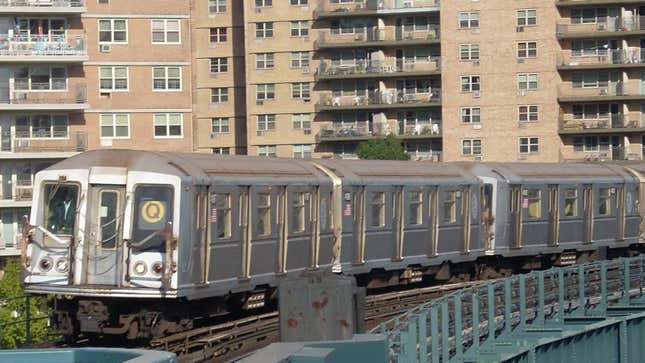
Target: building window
300,90
263,3
469,52
588,15
219,95
217,35
533,199
264,214
221,210
266,150
266,122
113,31
220,125
216,6
468,20
265,91
570,202
591,144
301,121
470,115
590,79
527,49
450,207
528,113
297,223
299,2
222,150
591,111
300,28
302,151
41,127
219,65
527,81
264,60
115,126
113,79
470,83
471,147
415,207
37,78
378,209
529,145
168,125
264,30
166,31
166,78
604,201
526,17
299,59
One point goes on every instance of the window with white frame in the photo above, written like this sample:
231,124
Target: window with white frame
220,125
470,83
529,145
263,3
219,95
300,28
470,115
588,15
219,65
266,122
166,78
264,60
266,150
301,121
527,49
591,111
591,144
299,2
471,147
265,91
41,127
590,79
222,150
469,52
300,90
168,125
528,113
218,35
527,81
302,151
264,30
113,79
469,20
113,31
40,78
166,31
299,59
115,125
216,6
526,17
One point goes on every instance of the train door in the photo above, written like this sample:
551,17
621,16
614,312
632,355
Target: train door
103,249
298,227
588,208
535,220
487,219
515,219
554,216
225,244
451,219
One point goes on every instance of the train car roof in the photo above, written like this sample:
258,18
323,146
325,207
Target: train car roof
552,173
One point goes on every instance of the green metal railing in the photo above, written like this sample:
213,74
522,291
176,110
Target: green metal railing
518,315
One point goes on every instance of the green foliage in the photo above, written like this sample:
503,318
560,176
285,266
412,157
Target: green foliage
382,149
13,329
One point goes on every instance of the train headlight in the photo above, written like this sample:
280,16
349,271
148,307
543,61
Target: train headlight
140,268
157,268
46,264
62,265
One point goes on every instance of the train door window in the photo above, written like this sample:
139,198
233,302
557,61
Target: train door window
264,214
604,201
570,202
378,209
221,214
60,214
108,218
534,203
450,207
415,215
298,212
324,212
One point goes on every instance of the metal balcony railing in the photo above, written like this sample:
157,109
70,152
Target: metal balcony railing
431,129
613,122
619,24
611,89
42,3
345,132
332,68
325,7
376,98
42,45
434,156
77,94
601,57
375,35
46,141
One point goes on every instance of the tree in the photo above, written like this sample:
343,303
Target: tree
13,311
382,149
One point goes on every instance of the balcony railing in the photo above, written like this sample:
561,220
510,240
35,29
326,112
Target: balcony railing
622,89
387,67
46,141
603,57
614,122
375,99
24,193
329,8
434,156
431,129
607,154
42,45
369,36
75,95
339,132
42,3
620,24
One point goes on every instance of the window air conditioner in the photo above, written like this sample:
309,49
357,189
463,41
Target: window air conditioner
476,62
307,131
105,48
478,158
477,94
260,133
519,29
520,61
259,102
305,70
213,135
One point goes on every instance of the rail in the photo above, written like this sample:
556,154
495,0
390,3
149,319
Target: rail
460,324
42,3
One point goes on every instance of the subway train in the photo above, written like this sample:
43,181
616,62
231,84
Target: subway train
142,244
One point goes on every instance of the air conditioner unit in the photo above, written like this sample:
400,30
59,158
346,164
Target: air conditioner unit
477,94
213,135
105,94
522,157
306,100
105,48
259,102
359,36
476,62
520,61
305,70
521,92
260,133
478,158
519,29
307,131
213,75
475,31
258,10
601,26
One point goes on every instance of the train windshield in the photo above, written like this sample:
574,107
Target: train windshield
60,208
153,210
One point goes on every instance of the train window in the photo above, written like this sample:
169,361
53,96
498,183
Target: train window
415,217
378,209
153,209
109,218
324,213
221,214
604,201
298,212
450,207
60,210
534,201
264,214
570,202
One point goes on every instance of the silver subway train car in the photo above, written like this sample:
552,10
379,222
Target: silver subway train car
141,244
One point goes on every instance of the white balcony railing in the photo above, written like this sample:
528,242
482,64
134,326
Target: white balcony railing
42,45
42,3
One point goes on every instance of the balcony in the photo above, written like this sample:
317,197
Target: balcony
377,68
21,196
606,59
374,37
613,125
338,9
379,100
605,153
361,133
34,49
614,92
74,99
43,144
567,3
619,27
42,6
432,156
